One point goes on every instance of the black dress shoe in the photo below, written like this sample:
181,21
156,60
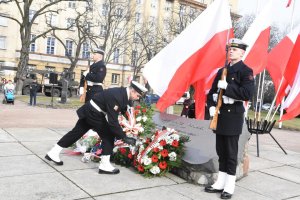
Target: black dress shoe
226,195
115,171
50,159
210,189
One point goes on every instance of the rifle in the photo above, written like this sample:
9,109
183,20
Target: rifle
82,97
214,121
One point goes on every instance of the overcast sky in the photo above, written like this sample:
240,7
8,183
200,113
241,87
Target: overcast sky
282,15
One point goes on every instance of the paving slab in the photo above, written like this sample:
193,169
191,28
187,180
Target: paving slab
257,163
72,162
4,137
296,165
42,147
107,184
285,172
280,158
22,165
295,198
175,178
269,186
33,134
48,186
13,149
62,131
146,194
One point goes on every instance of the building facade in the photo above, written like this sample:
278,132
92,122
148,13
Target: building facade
130,32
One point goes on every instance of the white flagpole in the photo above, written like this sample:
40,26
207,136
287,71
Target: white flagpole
292,24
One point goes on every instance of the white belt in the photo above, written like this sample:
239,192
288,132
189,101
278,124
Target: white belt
96,106
90,83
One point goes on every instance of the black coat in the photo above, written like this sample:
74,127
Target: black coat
33,87
96,73
240,87
112,101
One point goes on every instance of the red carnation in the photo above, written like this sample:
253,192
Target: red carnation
134,162
140,168
156,150
163,165
123,151
175,143
138,107
154,158
144,110
136,112
156,133
129,156
148,140
164,153
163,142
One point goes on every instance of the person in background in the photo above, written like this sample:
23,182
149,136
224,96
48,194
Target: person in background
94,76
33,87
187,102
238,87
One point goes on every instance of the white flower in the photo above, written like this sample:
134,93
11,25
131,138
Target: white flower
175,137
115,149
172,156
155,170
145,118
147,161
160,147
169,140
139,118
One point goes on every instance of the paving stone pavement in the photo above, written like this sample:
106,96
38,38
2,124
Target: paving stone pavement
25,174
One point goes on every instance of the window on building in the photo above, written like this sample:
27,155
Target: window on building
3,21
118,33
115,78
116,55
2,42
31,14
31,67
103,29
105,8
50,68
152,20
168,6
72,4
134,57
136,37
69,48
181,10
32,47
137,17
70,23
89,5
138,1
50,45
119,12
153,3
51,19
87,27
151,39
85,50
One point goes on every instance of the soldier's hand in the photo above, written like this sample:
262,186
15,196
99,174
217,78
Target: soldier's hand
212,111
85,72
215,97
130,141
81,91
227,100
222,84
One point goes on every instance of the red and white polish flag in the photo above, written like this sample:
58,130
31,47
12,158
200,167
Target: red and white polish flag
257,38
191,56
278,59
292,102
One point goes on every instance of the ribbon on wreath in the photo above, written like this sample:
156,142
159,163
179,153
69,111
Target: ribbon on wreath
129,126
160,136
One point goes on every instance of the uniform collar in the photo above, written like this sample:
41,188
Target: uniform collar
128,92
235,67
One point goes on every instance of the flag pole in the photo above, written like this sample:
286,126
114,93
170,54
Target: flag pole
292,24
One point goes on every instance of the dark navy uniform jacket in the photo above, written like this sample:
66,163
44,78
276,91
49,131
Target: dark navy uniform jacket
240,87
97,73
111,101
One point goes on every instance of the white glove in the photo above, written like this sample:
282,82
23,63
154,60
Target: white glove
227,100
81,91
222,84
215,97
85,73
212,111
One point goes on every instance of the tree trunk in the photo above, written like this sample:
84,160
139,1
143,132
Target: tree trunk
21,73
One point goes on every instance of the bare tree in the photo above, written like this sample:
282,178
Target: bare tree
25,18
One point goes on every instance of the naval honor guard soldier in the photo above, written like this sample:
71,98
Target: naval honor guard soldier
238,87
94,76
101,114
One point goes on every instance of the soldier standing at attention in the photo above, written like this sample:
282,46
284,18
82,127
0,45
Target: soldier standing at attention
101,114
94,76
238,87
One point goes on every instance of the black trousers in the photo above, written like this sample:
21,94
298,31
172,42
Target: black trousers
227,150
32,98
91,91
82,126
